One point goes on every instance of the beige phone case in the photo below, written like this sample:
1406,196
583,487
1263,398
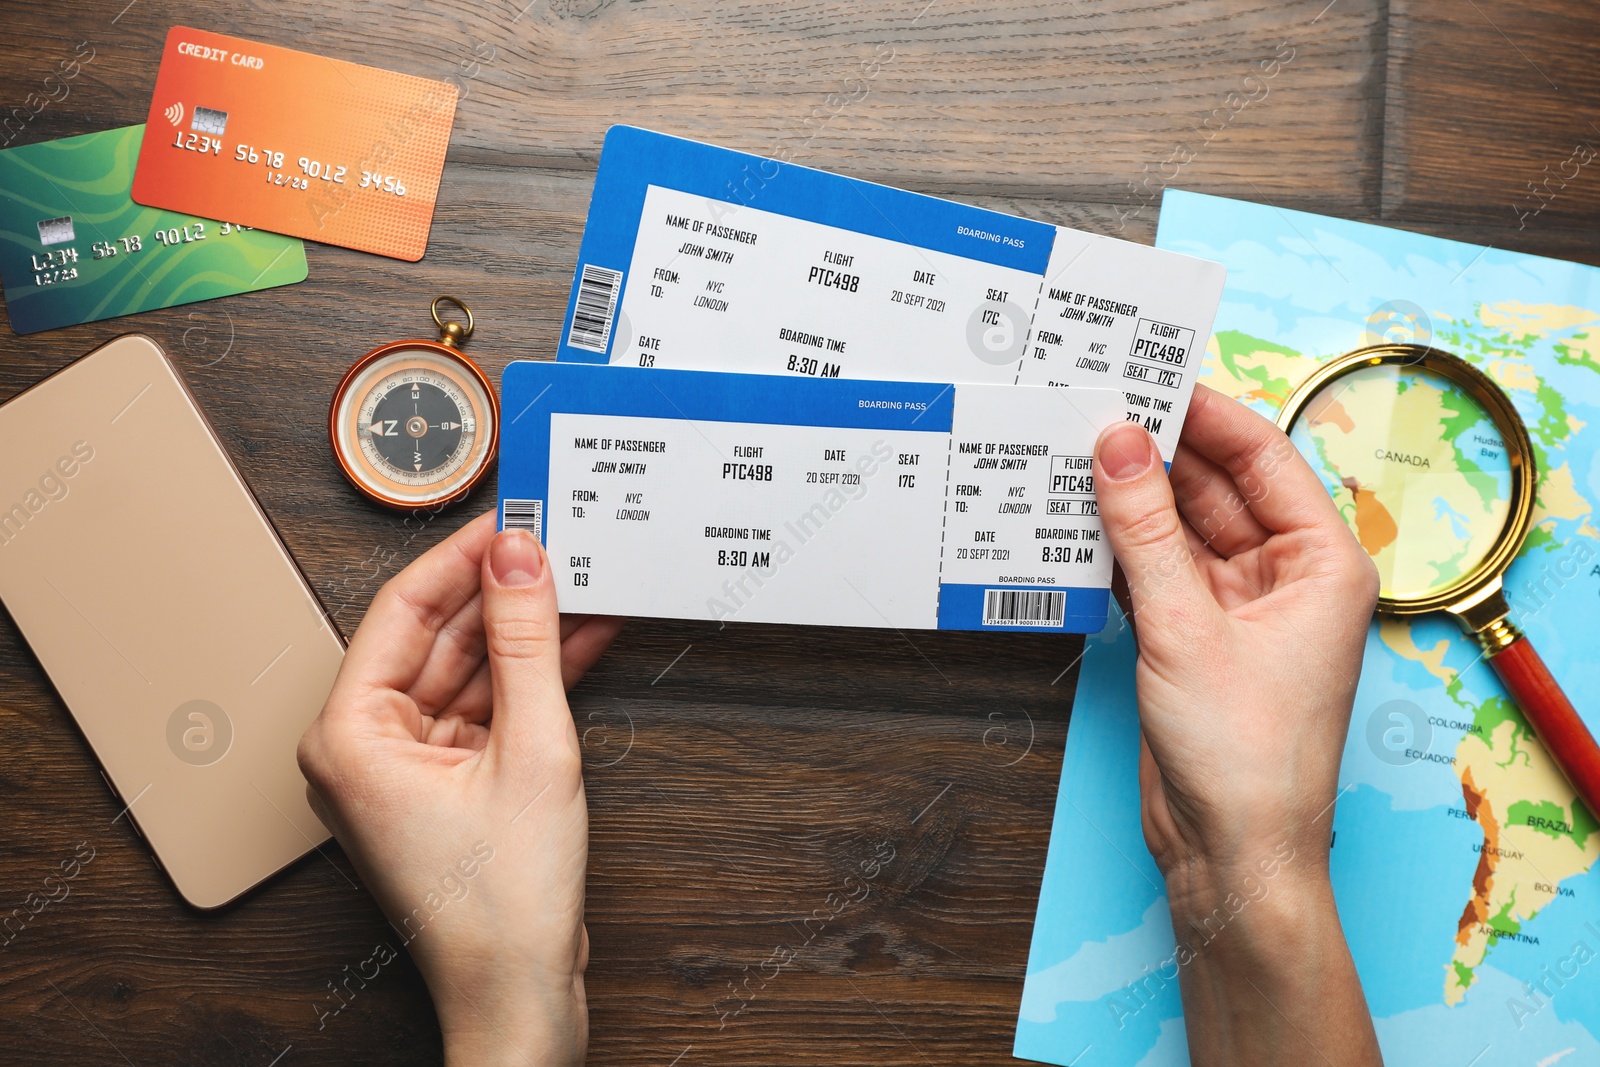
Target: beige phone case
172,620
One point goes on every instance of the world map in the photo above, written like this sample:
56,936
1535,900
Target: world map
1464,867
1417,468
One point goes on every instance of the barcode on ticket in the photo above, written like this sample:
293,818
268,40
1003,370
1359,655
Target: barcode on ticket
597,306
1023,607
523,515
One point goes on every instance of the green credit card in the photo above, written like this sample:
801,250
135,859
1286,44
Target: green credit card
74,247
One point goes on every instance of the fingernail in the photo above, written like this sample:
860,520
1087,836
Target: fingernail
514,558
1125,451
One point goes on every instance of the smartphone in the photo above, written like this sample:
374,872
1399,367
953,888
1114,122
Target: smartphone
167,612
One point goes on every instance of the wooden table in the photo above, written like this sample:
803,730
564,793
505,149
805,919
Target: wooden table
735,776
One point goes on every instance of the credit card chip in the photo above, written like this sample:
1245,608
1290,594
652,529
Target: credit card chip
209,120
56,231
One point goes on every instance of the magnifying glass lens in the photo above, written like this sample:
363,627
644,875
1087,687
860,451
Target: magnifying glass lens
1430,464
1417,468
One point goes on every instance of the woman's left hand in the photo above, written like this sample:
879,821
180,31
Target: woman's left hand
447,764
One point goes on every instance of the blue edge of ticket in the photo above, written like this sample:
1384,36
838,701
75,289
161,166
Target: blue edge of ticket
757,498
770,330
696,257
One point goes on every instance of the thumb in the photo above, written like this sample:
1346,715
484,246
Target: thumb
522,632
1142,524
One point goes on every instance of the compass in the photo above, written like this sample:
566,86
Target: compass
415,424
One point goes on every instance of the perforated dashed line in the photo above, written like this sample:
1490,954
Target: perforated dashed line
1033,317
944,519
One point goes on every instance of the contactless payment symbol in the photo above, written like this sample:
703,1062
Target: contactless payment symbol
415,423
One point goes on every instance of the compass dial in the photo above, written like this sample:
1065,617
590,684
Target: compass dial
414,424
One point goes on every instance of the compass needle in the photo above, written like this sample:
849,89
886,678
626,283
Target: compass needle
433,455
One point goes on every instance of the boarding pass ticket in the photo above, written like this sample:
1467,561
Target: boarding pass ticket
762,498
703,258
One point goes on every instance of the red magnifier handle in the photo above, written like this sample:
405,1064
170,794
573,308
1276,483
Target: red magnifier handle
1552,716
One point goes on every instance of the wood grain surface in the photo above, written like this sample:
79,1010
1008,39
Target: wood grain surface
734,776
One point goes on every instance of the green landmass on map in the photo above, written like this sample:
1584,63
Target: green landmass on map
1536,832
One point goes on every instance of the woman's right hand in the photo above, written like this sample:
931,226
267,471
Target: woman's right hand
1251,601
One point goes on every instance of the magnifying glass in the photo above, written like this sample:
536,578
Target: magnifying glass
1432,467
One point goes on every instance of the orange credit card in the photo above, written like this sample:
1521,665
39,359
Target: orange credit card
295,143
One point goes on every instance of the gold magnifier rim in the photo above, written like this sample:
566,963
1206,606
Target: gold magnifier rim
1486,575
